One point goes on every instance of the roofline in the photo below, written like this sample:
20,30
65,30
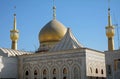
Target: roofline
82,50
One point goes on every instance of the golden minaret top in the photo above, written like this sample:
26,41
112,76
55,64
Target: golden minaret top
14,35
110,32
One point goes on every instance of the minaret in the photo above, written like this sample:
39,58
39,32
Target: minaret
110,33
14,35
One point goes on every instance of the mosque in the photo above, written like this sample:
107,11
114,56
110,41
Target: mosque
60,56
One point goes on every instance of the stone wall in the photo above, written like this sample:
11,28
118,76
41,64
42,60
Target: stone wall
8,67
95,62
73,64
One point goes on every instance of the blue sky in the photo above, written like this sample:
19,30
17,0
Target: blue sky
86,18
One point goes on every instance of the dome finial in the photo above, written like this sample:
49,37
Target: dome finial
109,17
14,18
54,10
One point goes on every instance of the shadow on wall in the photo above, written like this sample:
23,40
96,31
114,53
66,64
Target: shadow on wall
9,69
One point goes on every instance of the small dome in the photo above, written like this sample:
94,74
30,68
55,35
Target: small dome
53,31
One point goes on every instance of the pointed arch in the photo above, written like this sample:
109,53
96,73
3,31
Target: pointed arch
65,72
27,73
76,71
96,71
36,72
54,72
44,72
102,72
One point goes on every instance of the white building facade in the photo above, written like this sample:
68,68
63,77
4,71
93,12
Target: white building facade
60,56
9,63
70,64
113,64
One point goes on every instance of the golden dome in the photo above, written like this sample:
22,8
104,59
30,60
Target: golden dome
53,31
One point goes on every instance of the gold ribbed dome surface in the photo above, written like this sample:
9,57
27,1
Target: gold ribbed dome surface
53,31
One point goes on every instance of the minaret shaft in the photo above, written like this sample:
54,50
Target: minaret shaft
14,45
110,44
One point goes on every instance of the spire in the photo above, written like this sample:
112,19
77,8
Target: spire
109,18
14,34
14,22
110,31
54,10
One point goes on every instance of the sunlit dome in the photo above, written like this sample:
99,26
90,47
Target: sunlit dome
51,33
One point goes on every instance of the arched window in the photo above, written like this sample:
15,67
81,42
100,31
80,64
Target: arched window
26,73
54,71
35,72
44,72
76,73
96,70
102,71
64,71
